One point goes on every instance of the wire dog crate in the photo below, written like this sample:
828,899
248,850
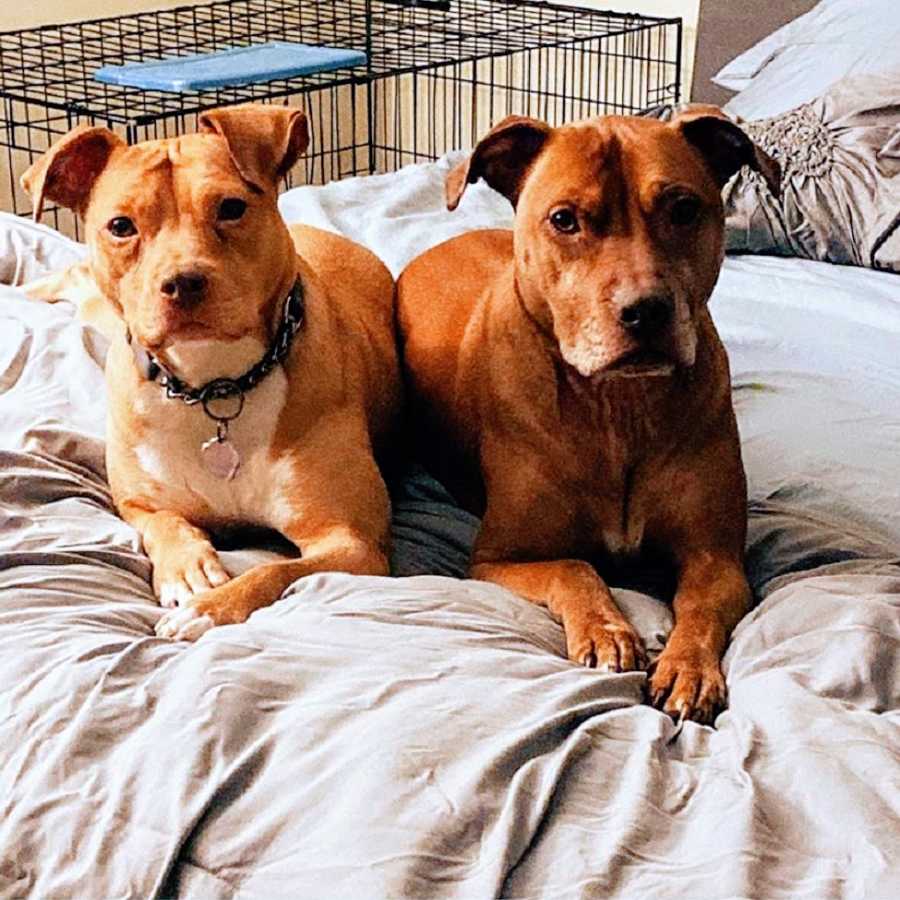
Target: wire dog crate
438,74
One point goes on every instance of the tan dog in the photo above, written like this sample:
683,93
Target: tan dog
569,383
282,342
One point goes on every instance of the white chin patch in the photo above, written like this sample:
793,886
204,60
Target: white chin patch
586,356
591,352
199,361
586,365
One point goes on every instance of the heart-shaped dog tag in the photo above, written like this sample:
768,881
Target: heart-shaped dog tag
221,458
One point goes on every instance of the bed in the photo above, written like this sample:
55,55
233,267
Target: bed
424,735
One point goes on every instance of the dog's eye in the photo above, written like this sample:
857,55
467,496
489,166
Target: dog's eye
231,209
564,220
684,211
121,227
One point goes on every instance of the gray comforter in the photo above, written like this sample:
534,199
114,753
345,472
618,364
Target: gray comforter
422,735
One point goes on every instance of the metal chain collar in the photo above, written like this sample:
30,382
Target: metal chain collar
220,389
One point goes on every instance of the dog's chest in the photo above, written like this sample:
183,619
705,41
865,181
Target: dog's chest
607,484
170,451
615,511
618,526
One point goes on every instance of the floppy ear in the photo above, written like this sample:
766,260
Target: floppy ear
264,141
725,146
501,158
66,173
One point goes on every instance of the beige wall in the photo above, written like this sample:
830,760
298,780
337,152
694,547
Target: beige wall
49,12
689,10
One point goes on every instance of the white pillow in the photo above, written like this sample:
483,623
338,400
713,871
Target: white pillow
801,60
29,251
397,217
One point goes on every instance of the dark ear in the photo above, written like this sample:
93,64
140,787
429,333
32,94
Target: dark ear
264,141
66,173
725,146
501,158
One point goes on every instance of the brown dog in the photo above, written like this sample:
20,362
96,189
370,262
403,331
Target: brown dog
569,383
254,377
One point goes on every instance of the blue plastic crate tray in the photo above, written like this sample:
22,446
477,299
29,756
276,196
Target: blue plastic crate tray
230,68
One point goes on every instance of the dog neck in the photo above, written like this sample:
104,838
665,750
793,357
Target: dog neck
204,360
200,361
632,412
223,397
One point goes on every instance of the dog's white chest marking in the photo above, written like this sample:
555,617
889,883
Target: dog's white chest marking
171,453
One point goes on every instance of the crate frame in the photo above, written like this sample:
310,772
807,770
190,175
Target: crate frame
438,73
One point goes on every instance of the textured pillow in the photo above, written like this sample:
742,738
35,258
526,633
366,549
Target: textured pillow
840,192
801,60
840,180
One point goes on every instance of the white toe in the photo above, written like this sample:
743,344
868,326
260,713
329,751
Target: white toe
168,595
198,581
198,626
183,624
215,573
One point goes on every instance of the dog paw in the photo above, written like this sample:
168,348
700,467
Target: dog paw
193,570
229,604
185,623
688,684
606,646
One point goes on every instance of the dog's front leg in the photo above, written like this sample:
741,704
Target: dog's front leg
333,506
339,549
711,598
185,563
597,633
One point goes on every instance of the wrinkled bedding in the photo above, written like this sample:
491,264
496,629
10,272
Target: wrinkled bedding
425,736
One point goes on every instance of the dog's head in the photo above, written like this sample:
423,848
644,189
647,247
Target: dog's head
619,228
184,234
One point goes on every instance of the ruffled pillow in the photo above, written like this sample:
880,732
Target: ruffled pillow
840,189
840,184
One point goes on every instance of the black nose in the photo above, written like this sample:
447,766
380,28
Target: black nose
185,288
647,316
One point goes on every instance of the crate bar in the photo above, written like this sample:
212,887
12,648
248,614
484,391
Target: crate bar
434,77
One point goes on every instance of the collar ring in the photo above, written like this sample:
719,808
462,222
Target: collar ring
223,399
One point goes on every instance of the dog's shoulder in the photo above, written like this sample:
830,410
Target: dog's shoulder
473,257
336,259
